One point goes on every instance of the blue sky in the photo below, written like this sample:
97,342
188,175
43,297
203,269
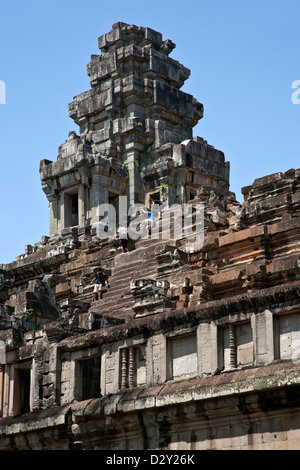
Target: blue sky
243,56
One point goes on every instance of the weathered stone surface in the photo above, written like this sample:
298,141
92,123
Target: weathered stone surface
188,348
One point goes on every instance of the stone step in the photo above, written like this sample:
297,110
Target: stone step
101,307
120,292
132,266
114,304
113,297
125,272
120,282
140,263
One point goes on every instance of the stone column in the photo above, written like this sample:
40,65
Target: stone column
83,195
232,347
6,391
81,205
134,190
98,194
61,218
1,388
131,367
51,388
34,393
180,182
123,210
124,368
10,396
263,328
204,351
54,214
160,359
215,353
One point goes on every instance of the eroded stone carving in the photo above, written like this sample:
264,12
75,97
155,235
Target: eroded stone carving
183,341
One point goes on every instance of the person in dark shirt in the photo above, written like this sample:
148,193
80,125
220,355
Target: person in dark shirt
100,279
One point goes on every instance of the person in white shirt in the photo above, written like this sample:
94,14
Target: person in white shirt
123,237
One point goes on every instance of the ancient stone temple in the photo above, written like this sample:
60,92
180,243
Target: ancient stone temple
136,134
195,343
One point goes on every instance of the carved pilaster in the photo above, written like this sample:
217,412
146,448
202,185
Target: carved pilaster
1,388
131,367
232,348
123,368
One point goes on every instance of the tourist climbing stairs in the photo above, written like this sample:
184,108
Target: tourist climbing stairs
117,300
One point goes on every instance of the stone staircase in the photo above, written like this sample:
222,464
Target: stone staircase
140,263
152,259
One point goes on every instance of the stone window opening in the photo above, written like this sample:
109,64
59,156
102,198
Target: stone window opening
88,378
287,337
182,357
154,197
22,386
133,366
237,350
71,209
192,194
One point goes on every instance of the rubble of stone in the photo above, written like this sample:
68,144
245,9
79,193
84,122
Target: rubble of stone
189,348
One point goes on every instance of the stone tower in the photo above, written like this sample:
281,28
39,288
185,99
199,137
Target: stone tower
187,349
136,134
